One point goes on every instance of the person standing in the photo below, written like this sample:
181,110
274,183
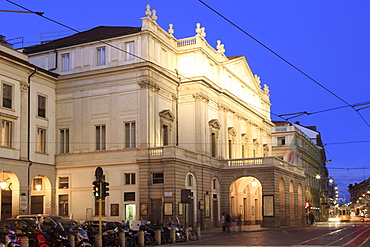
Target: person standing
223,222
311,218
228,222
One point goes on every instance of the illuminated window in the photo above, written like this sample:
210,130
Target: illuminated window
6,133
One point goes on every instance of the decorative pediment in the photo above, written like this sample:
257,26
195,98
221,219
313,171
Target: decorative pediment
231,131
167,115
214,123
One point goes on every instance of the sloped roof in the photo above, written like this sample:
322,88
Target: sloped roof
98,33
17,59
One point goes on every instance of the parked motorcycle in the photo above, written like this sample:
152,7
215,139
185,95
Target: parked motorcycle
40,238
10,238
81,236
180,233
57,237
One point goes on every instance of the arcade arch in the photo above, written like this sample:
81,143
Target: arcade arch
246,200
41,195
10,188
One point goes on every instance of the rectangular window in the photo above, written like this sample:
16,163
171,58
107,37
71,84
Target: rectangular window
157,178
63,182
64,141
130,178
100,56
100,137
165,135
41,106
281,140
230,149
130,136
129,196
130,50
213,145
6,133
65,62
63,205
41,140
7,95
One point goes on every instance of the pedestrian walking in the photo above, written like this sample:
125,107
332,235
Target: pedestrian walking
311,218
228,222
223,222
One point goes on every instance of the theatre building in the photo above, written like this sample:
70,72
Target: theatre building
161,115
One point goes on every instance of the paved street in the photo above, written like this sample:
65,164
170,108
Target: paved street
321,234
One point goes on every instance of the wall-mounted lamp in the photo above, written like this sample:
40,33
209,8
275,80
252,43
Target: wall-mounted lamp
318,176
38,187
3,184
254,183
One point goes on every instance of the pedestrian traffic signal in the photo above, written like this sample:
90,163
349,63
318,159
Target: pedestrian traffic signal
105,189
96,188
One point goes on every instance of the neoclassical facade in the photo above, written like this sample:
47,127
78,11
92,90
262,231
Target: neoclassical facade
161,115
27,137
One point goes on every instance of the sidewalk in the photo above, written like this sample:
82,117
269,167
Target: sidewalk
243,228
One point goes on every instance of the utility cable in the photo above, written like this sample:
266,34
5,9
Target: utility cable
282,58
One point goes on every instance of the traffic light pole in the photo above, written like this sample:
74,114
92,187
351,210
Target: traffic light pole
100,207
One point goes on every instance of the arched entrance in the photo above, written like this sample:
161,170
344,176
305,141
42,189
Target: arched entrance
246,200
41,195
9,185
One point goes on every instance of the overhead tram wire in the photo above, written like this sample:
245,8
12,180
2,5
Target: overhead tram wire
172,72
285,60
115,47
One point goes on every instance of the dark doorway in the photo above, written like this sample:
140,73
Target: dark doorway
6,204
156,210
37,203
215,212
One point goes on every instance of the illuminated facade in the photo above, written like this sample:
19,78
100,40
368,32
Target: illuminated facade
161,115
303,147
27,122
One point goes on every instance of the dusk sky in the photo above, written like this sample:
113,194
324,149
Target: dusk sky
325,42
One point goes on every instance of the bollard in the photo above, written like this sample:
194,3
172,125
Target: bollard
141,238
198,232
187,234
158,239
71,240
173,235
122,239
24,241
98,240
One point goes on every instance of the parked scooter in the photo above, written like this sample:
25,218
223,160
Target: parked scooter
10,238
57,237
180,233
81,236
40,238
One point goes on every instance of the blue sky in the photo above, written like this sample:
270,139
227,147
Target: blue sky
327,40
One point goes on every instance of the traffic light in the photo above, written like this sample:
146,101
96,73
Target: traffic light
105,189
96,188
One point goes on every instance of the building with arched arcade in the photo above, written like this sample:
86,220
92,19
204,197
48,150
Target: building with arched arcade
159,115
